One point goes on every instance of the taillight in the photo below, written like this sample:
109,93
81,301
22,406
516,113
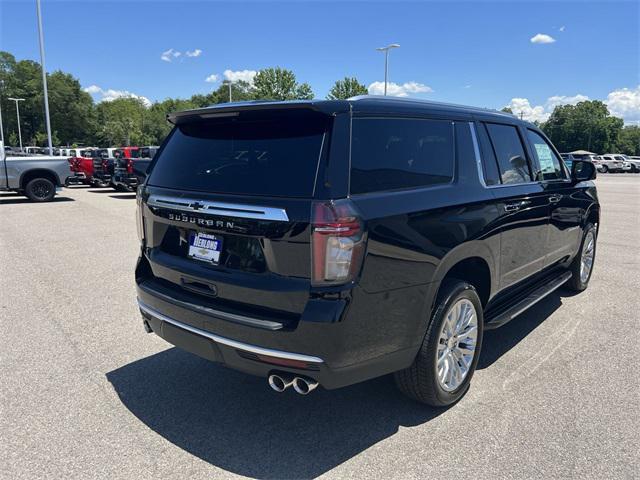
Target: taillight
129,165
337,242
104,165
139,216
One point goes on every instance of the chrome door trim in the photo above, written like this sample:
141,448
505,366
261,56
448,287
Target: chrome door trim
219,208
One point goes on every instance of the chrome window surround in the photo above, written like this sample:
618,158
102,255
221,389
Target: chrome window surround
219,208
476,151
228,342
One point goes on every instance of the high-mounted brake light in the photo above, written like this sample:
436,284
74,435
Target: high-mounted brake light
337,243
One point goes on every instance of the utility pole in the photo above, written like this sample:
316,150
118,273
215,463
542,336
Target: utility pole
229,85
44,77
18,115
386,62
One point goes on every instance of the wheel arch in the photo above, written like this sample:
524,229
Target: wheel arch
471,261
29,175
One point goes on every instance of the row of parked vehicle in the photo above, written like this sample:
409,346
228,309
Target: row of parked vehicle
121,168
610,162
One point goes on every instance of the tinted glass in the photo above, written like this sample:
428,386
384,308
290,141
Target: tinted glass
391,154
255,154
549,163
510,153
489,164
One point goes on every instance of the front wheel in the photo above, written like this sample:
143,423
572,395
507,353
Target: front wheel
40,190
441,372
604,169
582,266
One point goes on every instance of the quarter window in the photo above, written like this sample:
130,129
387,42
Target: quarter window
395,153
547,160
510,154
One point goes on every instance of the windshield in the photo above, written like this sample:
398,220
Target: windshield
264,153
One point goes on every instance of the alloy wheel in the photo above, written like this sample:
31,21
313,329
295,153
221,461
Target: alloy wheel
456,344
588,252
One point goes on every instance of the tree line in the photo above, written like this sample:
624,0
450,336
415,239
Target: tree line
77,120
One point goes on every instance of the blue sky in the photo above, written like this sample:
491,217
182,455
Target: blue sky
478,53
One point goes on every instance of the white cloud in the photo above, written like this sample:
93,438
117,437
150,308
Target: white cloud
194,53
540,113
398,90
542,38
212,78
243,75
625,103
111,94
561,29
169,55
93,89
467,86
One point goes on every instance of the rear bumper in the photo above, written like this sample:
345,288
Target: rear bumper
126,180
332,353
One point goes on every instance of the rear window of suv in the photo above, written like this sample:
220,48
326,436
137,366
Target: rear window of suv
253,153
400,153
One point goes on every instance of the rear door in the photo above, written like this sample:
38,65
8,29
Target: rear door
523,205
228,209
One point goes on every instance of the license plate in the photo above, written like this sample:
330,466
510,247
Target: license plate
205,247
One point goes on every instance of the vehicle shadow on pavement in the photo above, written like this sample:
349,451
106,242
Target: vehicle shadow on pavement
496,343
126,196
15,201
101,190
236,422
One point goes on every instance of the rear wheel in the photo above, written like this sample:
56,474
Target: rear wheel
604,168
582,266
40,190
441,372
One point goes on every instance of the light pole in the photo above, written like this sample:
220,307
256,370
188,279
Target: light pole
44,77
386,62
18,115
1,127
229,82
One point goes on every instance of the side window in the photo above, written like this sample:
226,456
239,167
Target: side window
397,153
489,164
546,158
512,160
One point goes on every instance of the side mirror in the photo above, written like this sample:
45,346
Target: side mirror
582,170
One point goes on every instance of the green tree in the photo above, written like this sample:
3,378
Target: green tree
280,84
586,125
507,110
628,141
346,88
122,122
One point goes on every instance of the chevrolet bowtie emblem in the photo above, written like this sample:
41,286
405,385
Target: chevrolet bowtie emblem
196,205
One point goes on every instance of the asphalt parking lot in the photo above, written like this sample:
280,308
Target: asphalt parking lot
85,393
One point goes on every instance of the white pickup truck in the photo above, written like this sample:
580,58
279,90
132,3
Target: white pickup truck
37,177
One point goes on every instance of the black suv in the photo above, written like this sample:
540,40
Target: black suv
330,242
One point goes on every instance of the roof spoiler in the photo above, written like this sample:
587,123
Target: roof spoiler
235,108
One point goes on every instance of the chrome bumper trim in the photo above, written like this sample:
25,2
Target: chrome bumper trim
228,342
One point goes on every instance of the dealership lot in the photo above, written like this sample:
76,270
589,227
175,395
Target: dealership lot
85,393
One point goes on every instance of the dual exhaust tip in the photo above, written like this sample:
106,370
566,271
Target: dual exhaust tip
302,385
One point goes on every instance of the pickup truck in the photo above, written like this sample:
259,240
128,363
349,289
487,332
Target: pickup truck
82,166
132,171
36,177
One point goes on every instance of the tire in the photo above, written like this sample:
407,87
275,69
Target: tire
579,282
40,190
421,381
604,169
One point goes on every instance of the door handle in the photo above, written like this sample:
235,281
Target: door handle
513,207
555,198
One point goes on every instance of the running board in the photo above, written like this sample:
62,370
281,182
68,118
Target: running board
503,316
